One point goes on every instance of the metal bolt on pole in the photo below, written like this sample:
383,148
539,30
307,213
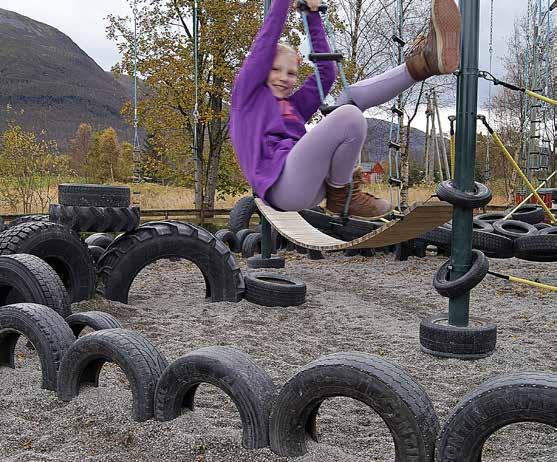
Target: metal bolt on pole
467,107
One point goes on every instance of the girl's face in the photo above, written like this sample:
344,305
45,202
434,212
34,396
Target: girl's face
283,75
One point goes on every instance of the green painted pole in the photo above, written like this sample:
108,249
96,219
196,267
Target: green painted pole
467,107
265,225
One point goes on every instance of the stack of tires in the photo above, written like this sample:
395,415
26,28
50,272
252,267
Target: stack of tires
95,208
524,235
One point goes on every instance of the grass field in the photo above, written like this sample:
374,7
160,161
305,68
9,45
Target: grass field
158,197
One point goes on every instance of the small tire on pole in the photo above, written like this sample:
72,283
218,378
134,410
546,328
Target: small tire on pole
518,397
400,401
454,288
447,191
439,338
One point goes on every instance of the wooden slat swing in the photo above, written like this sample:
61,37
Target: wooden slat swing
417,220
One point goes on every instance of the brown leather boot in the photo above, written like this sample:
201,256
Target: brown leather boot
362,204
439,52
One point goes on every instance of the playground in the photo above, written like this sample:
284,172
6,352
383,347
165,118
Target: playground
353,304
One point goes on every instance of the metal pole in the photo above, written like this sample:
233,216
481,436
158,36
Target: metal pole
467,107
265,225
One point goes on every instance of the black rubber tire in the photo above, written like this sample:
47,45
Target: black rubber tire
529,213
95,219
96,252
2,225
96,320
540,226
492,245
130,253
315,254
100,240
491,217
251,245
501,401
446,341
61,248
44,328
272,289
229,238
465,283
482,195
140,360
513,229
28,279
248,385
241,214
537,247
482,226
547,230
241,236
257,262
93,195
301,250
400,401
439,237
28,219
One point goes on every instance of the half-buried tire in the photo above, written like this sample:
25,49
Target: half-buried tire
273,289
234,372
519,397
132,252
28,279
44,328
58,246
96,320
399,400
140,360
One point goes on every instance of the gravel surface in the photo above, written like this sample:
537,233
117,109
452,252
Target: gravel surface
373,305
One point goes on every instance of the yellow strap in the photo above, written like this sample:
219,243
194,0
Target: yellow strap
541,97
453,155
532,283
524,177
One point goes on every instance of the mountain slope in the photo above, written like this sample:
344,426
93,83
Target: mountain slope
56,84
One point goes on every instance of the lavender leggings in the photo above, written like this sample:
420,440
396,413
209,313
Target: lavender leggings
330,150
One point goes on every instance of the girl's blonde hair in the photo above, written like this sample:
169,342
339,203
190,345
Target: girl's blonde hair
284,48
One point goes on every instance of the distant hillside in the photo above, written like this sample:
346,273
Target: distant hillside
376,147
57,85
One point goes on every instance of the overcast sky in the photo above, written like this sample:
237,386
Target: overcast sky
85,23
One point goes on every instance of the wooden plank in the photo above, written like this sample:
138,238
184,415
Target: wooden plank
418,219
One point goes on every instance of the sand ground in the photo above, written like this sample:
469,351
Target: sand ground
372,305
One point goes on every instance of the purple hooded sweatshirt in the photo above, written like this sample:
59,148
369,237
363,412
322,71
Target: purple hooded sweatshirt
261,137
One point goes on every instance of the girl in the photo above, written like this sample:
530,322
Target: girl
292,170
